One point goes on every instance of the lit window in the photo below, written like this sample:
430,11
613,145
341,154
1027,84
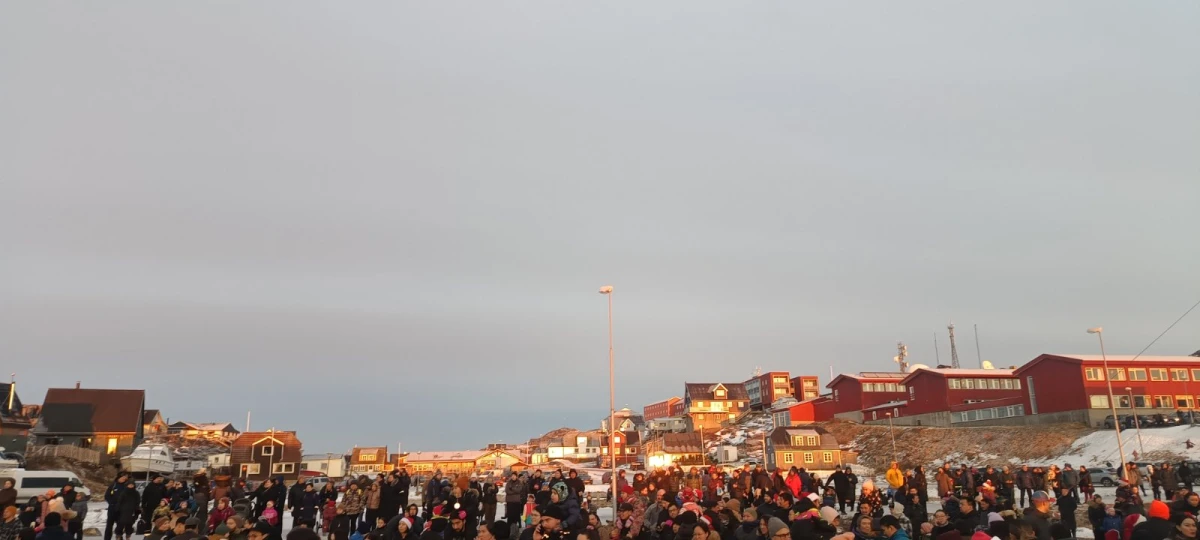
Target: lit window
812,441
900,387
1008,384
808,457
1017,384
1093,374
1116,374
891,387
827,457
1158,374
993,384
955,384
1162,402
981,383
1099,401
968,384
787,457
1183,402
1179,374
1138,374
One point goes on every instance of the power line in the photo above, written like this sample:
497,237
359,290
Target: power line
1164,332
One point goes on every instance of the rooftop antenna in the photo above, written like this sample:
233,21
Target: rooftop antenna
901,355
978,355
937,355
757,371
953,347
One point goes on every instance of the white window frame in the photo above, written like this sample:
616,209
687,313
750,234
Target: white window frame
1177,371
1162,374
251,468
1098,401
267,450
955,384
283,468
789,457
1093,374
827,457
1116,374
1160,403
808,457
1141,372
1184,402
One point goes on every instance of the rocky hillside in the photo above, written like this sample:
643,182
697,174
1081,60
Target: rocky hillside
95,477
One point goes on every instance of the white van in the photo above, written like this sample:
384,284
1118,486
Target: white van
30,484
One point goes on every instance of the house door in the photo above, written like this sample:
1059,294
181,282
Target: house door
1032,395
112,445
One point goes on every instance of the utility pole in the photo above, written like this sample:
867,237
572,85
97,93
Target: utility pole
953,347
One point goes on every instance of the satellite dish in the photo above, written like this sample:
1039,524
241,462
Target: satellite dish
987,364
915,367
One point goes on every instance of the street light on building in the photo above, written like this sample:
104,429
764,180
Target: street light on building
1099,331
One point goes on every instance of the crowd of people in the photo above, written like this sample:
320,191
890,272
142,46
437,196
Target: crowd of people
701,503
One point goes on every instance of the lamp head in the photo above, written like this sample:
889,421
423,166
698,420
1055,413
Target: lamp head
1096,330
607,289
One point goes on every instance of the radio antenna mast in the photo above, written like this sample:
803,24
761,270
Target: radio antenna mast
953,347
901,356
937,355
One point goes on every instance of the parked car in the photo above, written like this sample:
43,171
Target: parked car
1125,420
1103,477
317,482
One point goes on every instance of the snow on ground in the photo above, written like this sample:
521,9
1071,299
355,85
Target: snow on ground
1158,443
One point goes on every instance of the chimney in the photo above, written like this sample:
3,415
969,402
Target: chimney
77,385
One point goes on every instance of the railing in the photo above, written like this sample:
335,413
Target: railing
76,453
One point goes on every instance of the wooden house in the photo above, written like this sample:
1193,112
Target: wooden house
108,421
370,460
153,424
14,423
808,447
213,431
259,455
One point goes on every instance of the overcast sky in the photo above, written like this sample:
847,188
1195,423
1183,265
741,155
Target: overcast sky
375,222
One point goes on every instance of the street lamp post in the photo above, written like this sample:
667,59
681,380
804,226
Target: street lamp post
1099,331
1136,424
892,430
607,290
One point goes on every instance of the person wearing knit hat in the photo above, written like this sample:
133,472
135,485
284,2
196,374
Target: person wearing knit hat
777,529
830,515
1159,510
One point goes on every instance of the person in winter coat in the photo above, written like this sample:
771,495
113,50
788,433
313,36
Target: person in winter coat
304,507
75,524
152,496
1070,479
1168,478
945,482
128,507
487,499
895,480
1157,524
515,491
340,528
563,499
294,494
1067,503
793,482
373,498
113,496
352,504
915,508
1038,516
52,529
919,481
1112,522
1023,479
871,497
220,514
841,486
1185,475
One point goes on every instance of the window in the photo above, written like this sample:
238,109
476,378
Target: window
1137,374
1099,401
1196,374
981,383
1141,401
955,384
780,380
808,457
42,482
366,457
325,466
1093,374
1123,402
968,384
891,387
962,417
787,457
630,451
250,468
112,446
283,468
700,404
827,457
797,441
1007,384
985,414
835,395
900,386
719,394
1183,402
1116,374
911,393
1162,402
268,450
1158,374
993,384
812,441
1179,374
1017,384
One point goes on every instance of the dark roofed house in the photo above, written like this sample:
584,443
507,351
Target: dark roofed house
14,423
108,421
807,447
153,424
259,455
673,449
707,405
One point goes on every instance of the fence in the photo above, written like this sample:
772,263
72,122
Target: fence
76,453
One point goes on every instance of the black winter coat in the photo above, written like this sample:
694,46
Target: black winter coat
128,506
152,495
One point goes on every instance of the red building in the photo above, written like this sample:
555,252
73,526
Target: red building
625,445
661,409
1074,388
805,387
818,409
854,393
678,408
935,394
764,389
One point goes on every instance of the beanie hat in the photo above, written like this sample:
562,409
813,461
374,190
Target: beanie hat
1160,510
814,498
994,517
828,514
753,512
775,525
407,521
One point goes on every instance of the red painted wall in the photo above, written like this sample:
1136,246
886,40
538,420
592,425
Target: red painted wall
798,386
931,393
1058,385
850,396
662,409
